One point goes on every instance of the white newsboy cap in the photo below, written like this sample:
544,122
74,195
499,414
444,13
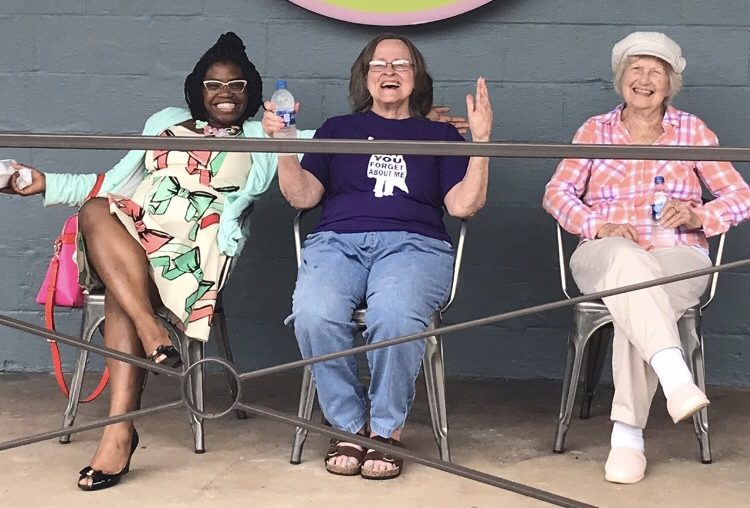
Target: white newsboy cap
649,43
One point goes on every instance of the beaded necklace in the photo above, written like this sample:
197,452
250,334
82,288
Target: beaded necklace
219,132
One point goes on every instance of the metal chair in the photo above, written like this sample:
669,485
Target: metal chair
432,363
191,351
588,340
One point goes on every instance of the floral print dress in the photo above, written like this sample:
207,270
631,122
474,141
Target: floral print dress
174,214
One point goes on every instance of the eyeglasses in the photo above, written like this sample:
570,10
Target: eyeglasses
234,86
381,65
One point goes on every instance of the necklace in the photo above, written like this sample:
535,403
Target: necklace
219,132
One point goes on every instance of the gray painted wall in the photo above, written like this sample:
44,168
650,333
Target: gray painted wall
103,66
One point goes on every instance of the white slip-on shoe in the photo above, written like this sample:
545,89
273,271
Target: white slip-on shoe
685,400
625,465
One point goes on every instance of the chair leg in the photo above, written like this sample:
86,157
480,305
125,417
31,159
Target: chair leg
596,354
225,351
192,351
434,378
306,402
573,365
692,344
88,328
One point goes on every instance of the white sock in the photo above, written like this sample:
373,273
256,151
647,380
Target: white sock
627,436
671,369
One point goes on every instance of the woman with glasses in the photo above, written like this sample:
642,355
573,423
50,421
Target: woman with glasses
381,242
163,230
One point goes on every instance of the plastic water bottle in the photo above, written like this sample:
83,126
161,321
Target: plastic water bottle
283,103
660,236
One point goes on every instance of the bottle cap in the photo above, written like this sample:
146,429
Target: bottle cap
280,83
659,179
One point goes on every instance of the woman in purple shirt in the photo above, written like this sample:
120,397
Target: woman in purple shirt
380,242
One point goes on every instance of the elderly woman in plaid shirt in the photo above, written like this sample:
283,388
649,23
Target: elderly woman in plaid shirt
608,204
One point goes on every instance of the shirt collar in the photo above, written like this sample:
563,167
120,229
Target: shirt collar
671,116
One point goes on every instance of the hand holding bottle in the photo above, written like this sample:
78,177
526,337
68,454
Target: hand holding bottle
679,213
271,122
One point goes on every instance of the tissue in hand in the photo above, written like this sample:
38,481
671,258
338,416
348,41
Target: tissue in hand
24,174
5,172
24,178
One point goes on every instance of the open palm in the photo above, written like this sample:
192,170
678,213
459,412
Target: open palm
479,111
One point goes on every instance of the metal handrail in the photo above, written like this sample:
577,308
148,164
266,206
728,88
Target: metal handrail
345,146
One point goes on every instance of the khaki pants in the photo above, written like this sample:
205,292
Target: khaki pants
645,321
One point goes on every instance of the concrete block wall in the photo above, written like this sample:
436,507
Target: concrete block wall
102,66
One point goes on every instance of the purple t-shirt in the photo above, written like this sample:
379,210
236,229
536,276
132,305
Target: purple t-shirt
385,192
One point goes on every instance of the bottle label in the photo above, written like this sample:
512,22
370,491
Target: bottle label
656,210
657,207
287,116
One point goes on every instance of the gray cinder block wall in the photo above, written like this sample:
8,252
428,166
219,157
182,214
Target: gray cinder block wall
101,66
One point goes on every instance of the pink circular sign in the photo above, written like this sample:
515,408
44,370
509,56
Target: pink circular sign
390,12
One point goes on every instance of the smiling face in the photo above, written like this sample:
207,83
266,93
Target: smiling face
224,107
645,82
390,89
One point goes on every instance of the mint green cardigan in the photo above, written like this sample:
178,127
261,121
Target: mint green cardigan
125,177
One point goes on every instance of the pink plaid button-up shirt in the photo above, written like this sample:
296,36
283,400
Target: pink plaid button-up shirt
585,194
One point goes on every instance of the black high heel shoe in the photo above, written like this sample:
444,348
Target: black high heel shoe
100,480
172,357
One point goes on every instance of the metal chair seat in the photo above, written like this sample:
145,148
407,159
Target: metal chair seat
191,351
432,363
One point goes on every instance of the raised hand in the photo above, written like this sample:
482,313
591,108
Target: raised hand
38,182
438,114
480,112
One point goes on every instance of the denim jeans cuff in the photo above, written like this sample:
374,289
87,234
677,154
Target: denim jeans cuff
356,425
383,431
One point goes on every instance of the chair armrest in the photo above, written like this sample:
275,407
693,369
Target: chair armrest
457,264
561,262
715,275
298,235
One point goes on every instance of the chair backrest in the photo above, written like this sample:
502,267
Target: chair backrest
562,259
297,228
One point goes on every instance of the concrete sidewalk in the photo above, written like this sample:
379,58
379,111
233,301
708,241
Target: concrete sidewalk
503,428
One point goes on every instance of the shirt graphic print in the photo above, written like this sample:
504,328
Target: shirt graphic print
389,172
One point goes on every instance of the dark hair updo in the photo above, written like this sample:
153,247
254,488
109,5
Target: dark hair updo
228,48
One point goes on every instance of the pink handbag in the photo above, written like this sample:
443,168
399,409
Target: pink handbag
60,287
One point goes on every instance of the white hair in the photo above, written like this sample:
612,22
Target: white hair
675,78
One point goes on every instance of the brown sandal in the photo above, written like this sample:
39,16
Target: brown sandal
339,449
398,462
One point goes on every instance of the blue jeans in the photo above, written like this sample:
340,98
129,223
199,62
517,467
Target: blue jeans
402,278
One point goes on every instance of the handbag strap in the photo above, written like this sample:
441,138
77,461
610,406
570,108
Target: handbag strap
49,312
49,323
97,186
63,385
